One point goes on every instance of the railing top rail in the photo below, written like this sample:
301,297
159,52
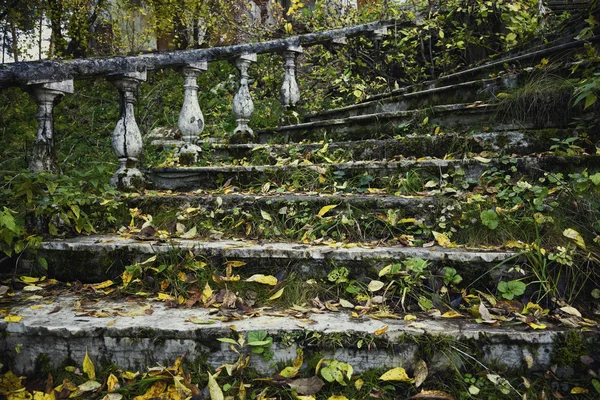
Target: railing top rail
21,73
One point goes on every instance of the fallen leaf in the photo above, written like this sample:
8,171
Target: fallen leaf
325,209
579,390
264,279
112,382
307,386
396,374
214,389
421,372
452,314
12,318
89,386
432,395
266,216
346,304
375,285
442,239
103,285
571,310
575,236
381,330
88,367
277,294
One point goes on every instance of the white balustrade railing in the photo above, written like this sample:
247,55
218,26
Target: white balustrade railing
49,81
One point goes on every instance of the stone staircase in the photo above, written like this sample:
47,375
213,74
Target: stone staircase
353,189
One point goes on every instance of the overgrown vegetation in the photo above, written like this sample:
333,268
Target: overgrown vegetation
549,216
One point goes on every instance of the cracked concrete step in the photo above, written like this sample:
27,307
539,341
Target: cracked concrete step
193,178
414,206
478,116
143,333
411,145
100,257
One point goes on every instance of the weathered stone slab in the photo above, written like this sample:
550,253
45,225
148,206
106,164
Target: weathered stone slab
134,338
194,178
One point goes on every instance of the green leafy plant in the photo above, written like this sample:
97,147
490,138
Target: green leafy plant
489,218
336,371
260,343
509,290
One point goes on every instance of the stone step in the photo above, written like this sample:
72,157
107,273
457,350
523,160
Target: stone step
100,257
519,142
465,92
138,334
272,202
193,178
477,116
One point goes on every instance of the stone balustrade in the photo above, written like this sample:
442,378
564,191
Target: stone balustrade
48,81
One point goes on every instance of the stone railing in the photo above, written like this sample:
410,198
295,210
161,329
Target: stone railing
48,81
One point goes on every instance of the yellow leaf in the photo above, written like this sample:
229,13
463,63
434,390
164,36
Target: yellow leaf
126,277
190,234
41,396
536,326
452,314
164,296
358,384
12,318
396,374
290,372
206,293
576,236
409,317
235,264
325,209
288,27
337,398
213,388
264,279
307,397
103,285
277,294
579,390
30,279
88,367
266,215
112,382
381,330
441,239
375,285
154,392
129,375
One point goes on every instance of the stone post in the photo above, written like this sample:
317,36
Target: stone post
191,120
290,94
127,138
46,95
243,107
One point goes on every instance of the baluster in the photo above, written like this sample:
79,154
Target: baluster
191,120
243,107
46,95
127,138
290,94
380,33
